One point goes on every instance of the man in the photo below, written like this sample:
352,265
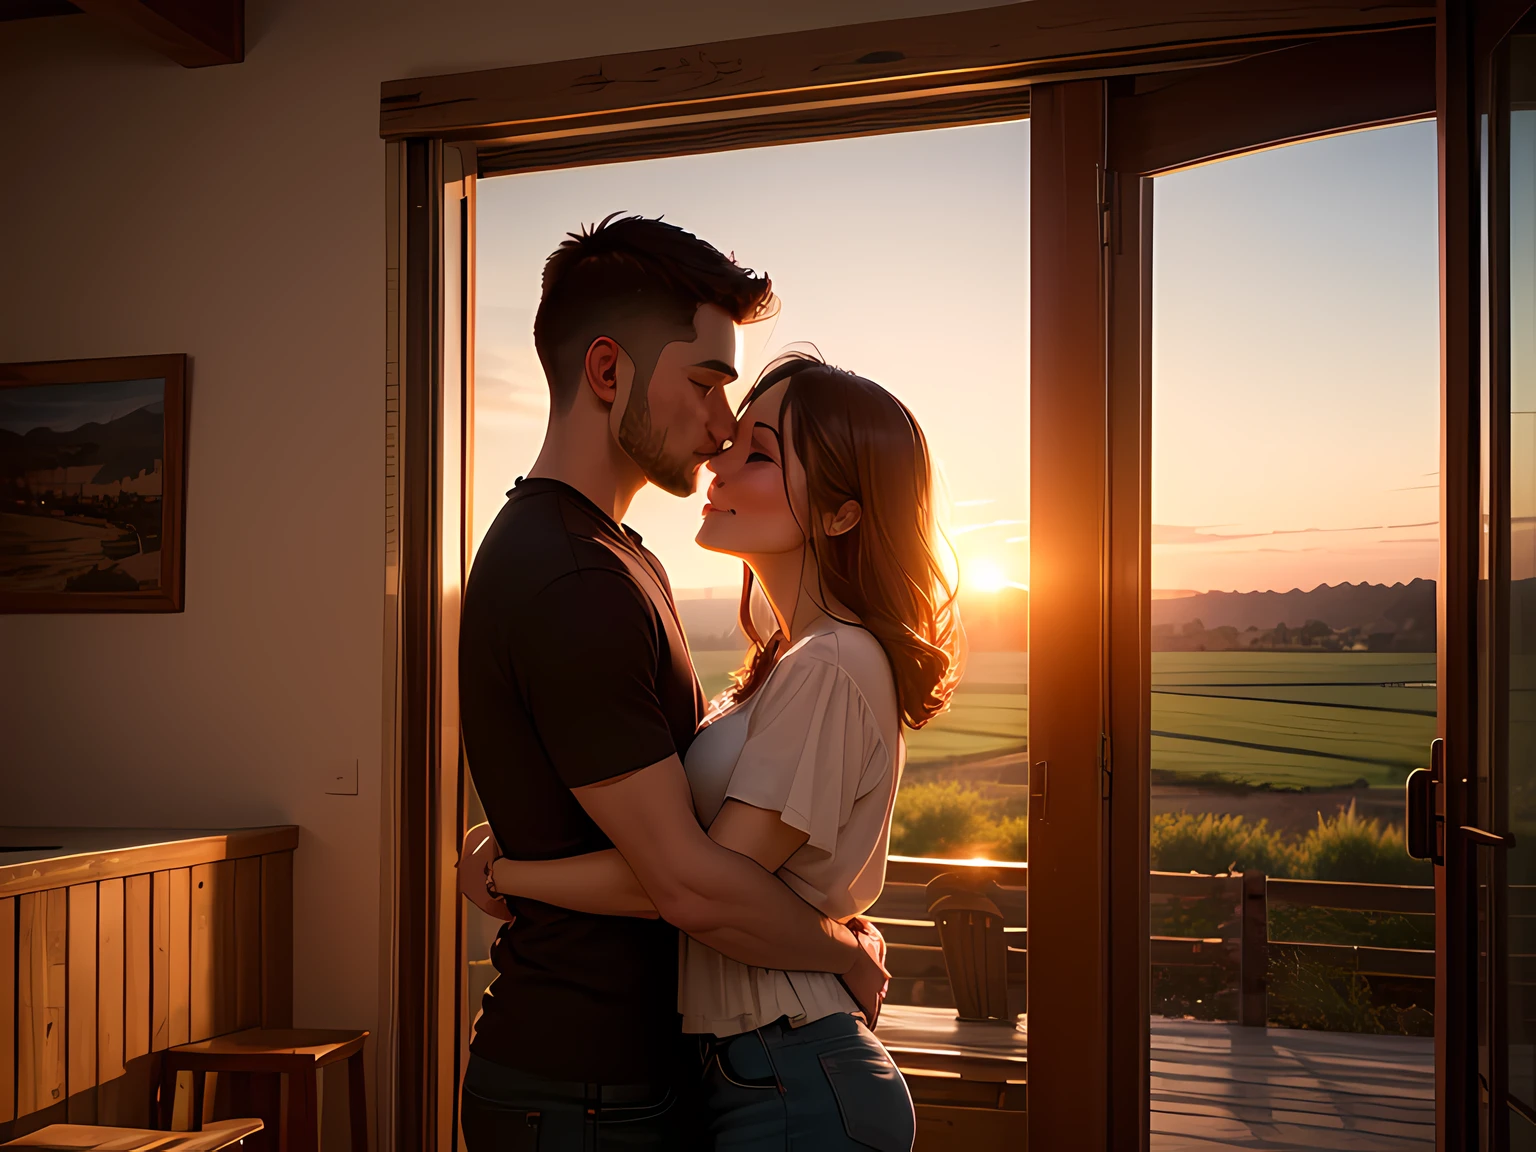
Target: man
578,700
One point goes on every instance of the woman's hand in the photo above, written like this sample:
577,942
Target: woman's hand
475,856
868,981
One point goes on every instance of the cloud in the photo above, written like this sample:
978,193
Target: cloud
1198,534
1195,534
973,503
509,383
965,528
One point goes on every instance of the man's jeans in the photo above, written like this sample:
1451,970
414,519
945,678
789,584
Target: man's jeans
506,1110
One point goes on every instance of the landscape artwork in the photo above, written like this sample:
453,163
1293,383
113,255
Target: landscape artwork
90,485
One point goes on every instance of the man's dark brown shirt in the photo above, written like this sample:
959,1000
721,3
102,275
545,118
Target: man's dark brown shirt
572,669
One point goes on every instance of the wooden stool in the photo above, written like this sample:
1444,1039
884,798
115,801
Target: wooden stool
83,1137
298,1053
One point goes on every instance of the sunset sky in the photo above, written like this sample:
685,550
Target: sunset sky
1295,336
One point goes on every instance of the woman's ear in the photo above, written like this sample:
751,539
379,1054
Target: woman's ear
843,519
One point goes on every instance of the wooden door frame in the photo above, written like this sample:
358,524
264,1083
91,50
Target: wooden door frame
1486,794
957,68
1157,124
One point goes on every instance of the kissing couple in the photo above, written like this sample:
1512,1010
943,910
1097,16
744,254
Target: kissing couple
683,962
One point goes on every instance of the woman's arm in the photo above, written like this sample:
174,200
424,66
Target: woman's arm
598,882
759,834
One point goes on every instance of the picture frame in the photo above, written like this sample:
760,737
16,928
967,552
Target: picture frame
93,485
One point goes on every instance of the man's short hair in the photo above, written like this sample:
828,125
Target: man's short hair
629,271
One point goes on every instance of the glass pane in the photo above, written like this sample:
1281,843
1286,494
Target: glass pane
1521,623
1294,556
904,258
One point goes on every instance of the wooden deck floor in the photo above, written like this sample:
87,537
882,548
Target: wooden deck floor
1224,1086
1217,1086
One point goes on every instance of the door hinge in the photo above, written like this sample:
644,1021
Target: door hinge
1104,207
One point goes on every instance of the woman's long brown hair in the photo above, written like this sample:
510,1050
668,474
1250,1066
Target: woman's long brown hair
858,442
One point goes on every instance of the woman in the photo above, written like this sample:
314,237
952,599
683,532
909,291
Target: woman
826,495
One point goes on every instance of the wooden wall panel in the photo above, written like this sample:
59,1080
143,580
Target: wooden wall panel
97,976
136,966
277,940
160,962
7,1009
42,932
81,980
179,955
212,996
248,943
109,980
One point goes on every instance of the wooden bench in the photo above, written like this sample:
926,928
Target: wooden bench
92,1138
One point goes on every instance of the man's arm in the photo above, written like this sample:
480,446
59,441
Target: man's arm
591,650
597,882
717,896
603,883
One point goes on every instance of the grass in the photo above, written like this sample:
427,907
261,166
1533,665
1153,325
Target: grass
1292,719
1288,719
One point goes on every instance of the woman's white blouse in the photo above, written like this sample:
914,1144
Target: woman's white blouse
820,742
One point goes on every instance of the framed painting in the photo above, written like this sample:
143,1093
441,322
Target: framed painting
92,485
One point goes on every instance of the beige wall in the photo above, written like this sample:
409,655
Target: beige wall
237,214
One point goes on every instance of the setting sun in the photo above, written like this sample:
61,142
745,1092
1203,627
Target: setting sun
986,576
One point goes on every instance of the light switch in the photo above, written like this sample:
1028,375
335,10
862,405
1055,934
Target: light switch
341,779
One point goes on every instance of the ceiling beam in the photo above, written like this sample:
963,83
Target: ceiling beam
194,33
1014,44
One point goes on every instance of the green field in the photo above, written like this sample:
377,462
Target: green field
987,717
1293,718
1287,718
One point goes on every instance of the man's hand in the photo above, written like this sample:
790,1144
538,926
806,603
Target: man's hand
477,852
868,981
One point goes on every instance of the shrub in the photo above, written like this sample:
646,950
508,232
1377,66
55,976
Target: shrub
1306,994
949,819
939,818
1210,844
1350,847
1010,837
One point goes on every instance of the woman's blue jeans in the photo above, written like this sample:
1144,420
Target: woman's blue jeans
824,1087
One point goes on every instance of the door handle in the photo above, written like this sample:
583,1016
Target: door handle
1037,784
1491,839
1421,823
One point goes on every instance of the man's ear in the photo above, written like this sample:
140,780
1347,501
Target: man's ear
843,519
601,369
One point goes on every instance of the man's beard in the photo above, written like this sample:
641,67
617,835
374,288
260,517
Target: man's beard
647,447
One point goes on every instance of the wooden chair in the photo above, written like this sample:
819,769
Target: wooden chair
975,953
91,1138
298,1053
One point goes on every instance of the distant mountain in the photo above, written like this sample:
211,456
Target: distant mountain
1400,616
1406,611
123,447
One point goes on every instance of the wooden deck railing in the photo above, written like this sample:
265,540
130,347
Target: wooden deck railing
1241,943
